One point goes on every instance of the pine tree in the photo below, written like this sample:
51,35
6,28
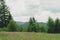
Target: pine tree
57,26
30,25
50,25
33,25
5,15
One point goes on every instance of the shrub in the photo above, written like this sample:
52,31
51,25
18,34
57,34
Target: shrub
12,26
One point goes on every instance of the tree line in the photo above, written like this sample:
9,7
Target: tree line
8,24
54,25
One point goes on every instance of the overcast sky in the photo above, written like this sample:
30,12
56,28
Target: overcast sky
22,10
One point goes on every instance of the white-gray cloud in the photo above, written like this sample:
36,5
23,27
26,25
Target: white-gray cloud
21,10
51,5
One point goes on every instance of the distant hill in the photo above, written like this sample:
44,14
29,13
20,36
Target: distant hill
23,24
20,23
43,24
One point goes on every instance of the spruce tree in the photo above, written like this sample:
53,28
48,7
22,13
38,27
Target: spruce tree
33,25
5,15
57,26
50,24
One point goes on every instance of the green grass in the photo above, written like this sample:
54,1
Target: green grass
28,36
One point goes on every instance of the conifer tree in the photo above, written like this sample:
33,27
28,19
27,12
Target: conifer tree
33,25
50,25
5,15
57,26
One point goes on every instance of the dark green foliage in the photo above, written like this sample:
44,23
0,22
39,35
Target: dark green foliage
5,15
33,25
50,25
3,29
12,26
30,25
25,29
44,29
19,28
53,26
57,26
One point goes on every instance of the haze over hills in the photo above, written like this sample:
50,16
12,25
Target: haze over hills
26,23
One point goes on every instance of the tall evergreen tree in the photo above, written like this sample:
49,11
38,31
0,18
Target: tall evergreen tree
5,15
50,25
33,25
30,25
57,26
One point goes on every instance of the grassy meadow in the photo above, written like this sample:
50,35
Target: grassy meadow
28,36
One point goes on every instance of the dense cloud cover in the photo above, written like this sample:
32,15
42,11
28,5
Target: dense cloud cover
21,10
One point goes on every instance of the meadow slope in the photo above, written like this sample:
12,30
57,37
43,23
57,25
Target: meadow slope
28,36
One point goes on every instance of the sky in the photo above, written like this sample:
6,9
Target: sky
22,10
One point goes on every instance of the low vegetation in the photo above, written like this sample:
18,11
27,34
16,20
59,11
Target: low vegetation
28,36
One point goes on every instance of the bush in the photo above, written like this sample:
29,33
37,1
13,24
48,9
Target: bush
3,29
19,28
12,26
44,29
